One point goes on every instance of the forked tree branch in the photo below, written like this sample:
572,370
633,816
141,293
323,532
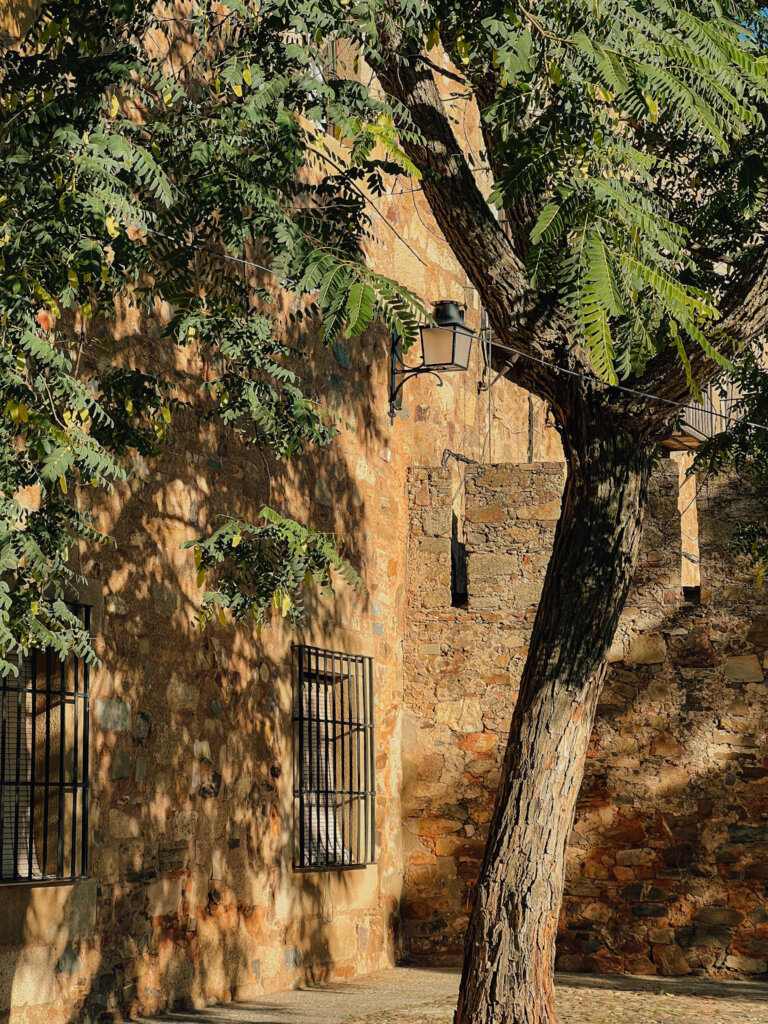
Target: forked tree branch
520,316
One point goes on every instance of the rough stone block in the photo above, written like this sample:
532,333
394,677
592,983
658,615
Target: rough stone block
650,910
525,593
720,915
121,767
465,715
670,959
440,597
481,567
114,715
716,937
292,957
648,649
123,826
435,546
546,511
758,631
694,651
164,896
745,668
323,495
635,857
746,964
485,514
665,745
437,522
180,695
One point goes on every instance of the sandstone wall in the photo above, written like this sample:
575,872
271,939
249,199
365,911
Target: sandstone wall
192,898
666,866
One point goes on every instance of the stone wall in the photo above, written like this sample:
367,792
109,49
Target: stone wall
462,666
666,867
192,898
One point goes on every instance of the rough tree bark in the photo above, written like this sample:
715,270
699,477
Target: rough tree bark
510,946
610,438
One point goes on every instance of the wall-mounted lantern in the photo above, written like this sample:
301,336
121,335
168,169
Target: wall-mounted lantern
445,347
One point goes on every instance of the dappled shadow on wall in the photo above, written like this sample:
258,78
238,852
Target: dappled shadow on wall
192,896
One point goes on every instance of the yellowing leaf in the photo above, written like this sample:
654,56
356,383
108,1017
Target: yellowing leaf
113,107
198,557
165,412
72,278
113,228
201,577
63,483
247,74
236,539
33,607
237,90
285,605
222,616
653,107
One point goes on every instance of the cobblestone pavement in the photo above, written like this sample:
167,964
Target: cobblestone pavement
410,995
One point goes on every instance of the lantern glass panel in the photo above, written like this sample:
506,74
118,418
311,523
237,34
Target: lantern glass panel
437,345
462,347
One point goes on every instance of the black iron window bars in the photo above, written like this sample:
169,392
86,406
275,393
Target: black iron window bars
334,782
44,734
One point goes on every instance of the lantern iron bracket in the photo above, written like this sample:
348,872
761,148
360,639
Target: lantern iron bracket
406,373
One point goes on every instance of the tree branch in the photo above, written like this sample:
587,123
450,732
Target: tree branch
517,313
745,320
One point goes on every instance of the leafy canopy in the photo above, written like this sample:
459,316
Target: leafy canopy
624,142
138,150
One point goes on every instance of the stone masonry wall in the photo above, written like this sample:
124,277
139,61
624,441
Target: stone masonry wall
192,898
666,867
461,669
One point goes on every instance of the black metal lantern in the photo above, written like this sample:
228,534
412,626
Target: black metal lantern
446,346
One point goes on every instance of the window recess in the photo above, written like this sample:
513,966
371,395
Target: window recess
44,740
334,782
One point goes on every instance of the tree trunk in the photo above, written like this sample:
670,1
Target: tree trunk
510,946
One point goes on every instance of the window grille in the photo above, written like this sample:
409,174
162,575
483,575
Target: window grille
334,787
44,732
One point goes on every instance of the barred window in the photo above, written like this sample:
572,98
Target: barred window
44,768
334,790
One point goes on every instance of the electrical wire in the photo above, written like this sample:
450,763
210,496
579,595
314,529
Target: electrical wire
214,252
592,378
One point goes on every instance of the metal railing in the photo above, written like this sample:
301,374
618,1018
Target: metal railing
334,780
44,781
705,420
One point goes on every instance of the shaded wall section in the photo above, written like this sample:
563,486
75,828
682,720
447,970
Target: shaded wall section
666,865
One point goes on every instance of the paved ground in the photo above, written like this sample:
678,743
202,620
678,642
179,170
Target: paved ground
411,995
